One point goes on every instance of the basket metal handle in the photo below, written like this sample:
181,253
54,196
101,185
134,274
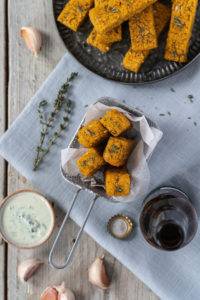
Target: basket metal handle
71,252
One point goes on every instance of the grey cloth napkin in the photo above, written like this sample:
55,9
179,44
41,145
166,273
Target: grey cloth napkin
172,275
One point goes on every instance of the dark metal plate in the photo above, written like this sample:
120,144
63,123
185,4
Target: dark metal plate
109,65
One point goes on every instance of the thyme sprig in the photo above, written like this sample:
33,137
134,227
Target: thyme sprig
61,103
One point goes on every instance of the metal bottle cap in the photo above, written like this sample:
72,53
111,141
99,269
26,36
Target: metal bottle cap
120,226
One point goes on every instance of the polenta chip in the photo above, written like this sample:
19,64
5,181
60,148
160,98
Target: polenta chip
103,41
180,31
117,182
90,162
94,41
92,134
115,121
118,150
114,12
74,13
142,30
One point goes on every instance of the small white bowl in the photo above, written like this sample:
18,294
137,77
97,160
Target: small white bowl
50,211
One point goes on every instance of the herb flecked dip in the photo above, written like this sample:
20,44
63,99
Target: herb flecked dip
26,219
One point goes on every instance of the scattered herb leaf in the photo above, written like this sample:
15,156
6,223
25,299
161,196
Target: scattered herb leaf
118,189
191,98
112,9
178,22
80,8
114,149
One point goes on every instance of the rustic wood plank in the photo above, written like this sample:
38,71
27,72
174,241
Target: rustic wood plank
26,75
3,92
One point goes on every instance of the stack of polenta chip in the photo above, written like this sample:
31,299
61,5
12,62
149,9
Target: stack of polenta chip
107,148
147,19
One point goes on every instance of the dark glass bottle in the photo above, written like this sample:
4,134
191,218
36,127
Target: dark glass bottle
168,220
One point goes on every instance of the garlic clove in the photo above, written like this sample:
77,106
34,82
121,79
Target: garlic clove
97,274
50,293
32,38
28,267
60,288
67,295
64,293
59,292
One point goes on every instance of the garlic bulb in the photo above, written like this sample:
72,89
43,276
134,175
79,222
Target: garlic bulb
57,293
28,267
97,274
32,38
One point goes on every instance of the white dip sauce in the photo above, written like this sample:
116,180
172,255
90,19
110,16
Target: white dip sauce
26,219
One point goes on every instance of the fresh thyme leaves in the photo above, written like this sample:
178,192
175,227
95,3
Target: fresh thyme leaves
62,104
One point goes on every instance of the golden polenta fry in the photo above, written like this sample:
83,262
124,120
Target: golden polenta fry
117,182
180,31
142,30
90,162
117,151
92,134
103,41
74,13
94,41
115,121
134,59
112,36
114,12
162,15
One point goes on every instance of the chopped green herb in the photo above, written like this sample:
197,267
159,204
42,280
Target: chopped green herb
112,9
178,22
191,98
114,149
162,115
195,123
80,9
118,189
90,132
172,90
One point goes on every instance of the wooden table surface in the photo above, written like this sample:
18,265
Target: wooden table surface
20,76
